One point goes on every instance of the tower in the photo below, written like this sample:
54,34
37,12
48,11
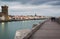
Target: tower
35,14
5,12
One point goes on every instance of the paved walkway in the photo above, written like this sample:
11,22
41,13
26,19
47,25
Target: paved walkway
49,30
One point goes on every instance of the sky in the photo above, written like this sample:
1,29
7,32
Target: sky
30,7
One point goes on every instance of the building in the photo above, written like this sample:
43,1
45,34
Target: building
4,13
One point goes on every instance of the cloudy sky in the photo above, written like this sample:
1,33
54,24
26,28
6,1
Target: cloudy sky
30,7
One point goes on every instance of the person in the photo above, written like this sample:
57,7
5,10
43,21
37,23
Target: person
52,18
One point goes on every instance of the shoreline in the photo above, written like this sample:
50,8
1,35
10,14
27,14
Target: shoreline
21,20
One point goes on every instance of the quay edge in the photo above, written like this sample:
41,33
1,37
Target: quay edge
29,32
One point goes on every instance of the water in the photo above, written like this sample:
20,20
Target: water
8,29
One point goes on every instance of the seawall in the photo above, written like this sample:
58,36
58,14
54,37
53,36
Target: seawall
26,33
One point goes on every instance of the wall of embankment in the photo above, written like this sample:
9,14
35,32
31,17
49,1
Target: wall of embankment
27,33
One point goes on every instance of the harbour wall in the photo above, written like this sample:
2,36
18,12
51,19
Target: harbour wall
27,33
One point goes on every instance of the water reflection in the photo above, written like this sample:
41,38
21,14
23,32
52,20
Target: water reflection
3,24
4,31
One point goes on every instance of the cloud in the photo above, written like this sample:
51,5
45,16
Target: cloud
33,2
40,7
54,3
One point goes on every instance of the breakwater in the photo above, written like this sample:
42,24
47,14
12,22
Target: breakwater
27,33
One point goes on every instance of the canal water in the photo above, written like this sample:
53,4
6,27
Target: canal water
8,29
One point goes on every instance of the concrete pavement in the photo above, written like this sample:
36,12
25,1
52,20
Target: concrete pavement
49,30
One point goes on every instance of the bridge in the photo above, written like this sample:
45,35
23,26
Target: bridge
47,30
